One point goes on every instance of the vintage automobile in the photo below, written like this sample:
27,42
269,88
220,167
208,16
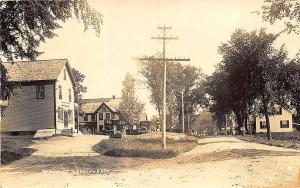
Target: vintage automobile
144,127
118,134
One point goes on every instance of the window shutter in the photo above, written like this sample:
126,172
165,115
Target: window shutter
280,112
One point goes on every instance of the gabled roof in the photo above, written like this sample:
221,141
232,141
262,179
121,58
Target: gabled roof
39,70
92,105
89,107
113,104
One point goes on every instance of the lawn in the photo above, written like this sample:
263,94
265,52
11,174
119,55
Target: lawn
147,145
288,140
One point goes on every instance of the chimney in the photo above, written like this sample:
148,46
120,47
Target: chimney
113,96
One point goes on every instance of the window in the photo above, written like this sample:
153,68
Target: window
284,124
70,95
59,92
92,117
100,116
277,110
112,116
107,116
40,91
70,117
263,125
85,118
103,109
65,74
60,112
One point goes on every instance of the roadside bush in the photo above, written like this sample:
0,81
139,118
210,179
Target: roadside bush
288,140
293,136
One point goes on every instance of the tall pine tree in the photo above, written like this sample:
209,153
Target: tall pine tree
130,106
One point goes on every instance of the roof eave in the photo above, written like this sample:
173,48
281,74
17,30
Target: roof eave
70,72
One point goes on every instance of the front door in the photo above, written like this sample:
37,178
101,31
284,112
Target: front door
66,118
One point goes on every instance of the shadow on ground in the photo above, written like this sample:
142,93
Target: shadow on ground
234,154
10,156
37,164
15,147
216,142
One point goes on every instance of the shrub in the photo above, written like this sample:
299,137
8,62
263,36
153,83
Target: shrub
145,146
288,140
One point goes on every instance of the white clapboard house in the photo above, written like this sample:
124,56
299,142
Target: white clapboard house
99,114
280,121
45,99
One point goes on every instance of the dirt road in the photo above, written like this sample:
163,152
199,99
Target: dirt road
216,162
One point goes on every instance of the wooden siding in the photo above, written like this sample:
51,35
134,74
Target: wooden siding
27,113
64,103
101,122
275,122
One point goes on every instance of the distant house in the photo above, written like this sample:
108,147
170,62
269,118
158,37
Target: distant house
143,117
45,99
99,113
281,121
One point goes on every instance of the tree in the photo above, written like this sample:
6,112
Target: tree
78,91
79,87
289,85
247,77
187,78
130,107
24,24
153,74
231,82
288,10
266,77
219,100
203,124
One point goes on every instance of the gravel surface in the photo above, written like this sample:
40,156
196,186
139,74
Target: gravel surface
215,162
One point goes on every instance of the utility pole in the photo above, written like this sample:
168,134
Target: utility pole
182,110
187,117
188,122
164,38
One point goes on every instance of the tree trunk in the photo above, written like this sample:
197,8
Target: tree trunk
267,119
297,117
245,113
180,118
268,126
239,120
243,130
246,123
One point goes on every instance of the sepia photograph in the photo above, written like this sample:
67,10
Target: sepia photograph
150,93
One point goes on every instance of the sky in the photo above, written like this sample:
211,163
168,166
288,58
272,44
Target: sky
201,25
